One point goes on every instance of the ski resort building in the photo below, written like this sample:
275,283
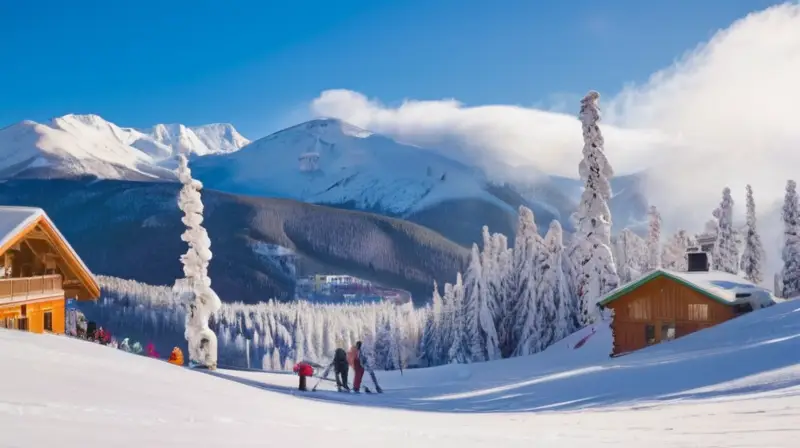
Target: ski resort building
39,270
665,305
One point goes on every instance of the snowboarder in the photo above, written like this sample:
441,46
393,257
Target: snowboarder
340,368
303,370
359,362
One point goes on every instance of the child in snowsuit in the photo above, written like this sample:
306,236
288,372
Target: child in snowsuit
303,370
340,369
359,362
176,357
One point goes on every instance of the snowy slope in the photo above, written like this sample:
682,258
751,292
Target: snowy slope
366,171
80,145
734,385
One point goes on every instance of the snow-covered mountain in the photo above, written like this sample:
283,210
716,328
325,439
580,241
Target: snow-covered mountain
343,165
328,161
88,145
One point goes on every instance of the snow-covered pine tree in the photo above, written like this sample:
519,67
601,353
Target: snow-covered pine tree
459,350
790,274
726,254
474,298
630,255
753,253
504,303
428,346
653,239
552,292
673,255
529,254
591,258
195,288
446,325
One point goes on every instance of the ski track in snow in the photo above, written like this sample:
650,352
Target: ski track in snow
734,385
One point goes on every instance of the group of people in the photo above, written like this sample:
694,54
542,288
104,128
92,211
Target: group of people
342,361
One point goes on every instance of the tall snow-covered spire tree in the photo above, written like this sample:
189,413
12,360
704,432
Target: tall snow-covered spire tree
790,274
753,253
195,288
653,239
726,254
593,263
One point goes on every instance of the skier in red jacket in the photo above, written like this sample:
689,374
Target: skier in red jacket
359,363
303,370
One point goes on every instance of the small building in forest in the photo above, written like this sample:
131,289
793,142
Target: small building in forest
665,305
39,270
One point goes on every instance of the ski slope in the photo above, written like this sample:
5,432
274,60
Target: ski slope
734,385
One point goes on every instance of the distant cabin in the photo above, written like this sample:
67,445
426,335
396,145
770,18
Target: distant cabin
39,270
666,305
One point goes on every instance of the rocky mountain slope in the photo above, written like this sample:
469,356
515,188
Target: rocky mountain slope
132,230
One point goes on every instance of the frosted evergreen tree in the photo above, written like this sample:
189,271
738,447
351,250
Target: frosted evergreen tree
726,254
673,255
276,359
790,274
195,288
630,255
753,253
437,308
503,301
446,325
474,297
591,258
552,291
459,350
653,239
528,257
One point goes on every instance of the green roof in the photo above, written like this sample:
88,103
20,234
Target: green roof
630,286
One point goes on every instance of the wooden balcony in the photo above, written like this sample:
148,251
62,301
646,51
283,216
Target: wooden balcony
20,289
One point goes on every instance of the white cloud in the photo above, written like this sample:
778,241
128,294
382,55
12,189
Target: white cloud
727,113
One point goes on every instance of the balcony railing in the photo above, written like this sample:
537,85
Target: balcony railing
14,289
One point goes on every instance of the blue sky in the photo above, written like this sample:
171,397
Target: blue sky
257,64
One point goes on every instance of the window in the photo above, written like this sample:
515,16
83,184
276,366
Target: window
48,321
667,331
639,309
698,311
650,334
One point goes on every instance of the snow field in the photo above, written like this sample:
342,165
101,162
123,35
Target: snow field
737,384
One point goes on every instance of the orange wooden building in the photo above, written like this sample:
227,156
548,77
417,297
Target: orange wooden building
38,271
665,305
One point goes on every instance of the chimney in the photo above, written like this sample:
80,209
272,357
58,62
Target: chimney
697,260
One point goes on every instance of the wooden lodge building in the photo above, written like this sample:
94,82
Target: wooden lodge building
665,305
39,270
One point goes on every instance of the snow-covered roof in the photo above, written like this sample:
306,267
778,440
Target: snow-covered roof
723,287
14,220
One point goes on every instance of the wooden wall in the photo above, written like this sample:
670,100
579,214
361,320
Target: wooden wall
663,304
35,311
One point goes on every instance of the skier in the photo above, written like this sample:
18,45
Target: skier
303,370
340,368
359,362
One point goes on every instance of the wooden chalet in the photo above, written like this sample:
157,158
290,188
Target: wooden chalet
665,305
39,270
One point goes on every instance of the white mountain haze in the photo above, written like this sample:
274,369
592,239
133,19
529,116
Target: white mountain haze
88,145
